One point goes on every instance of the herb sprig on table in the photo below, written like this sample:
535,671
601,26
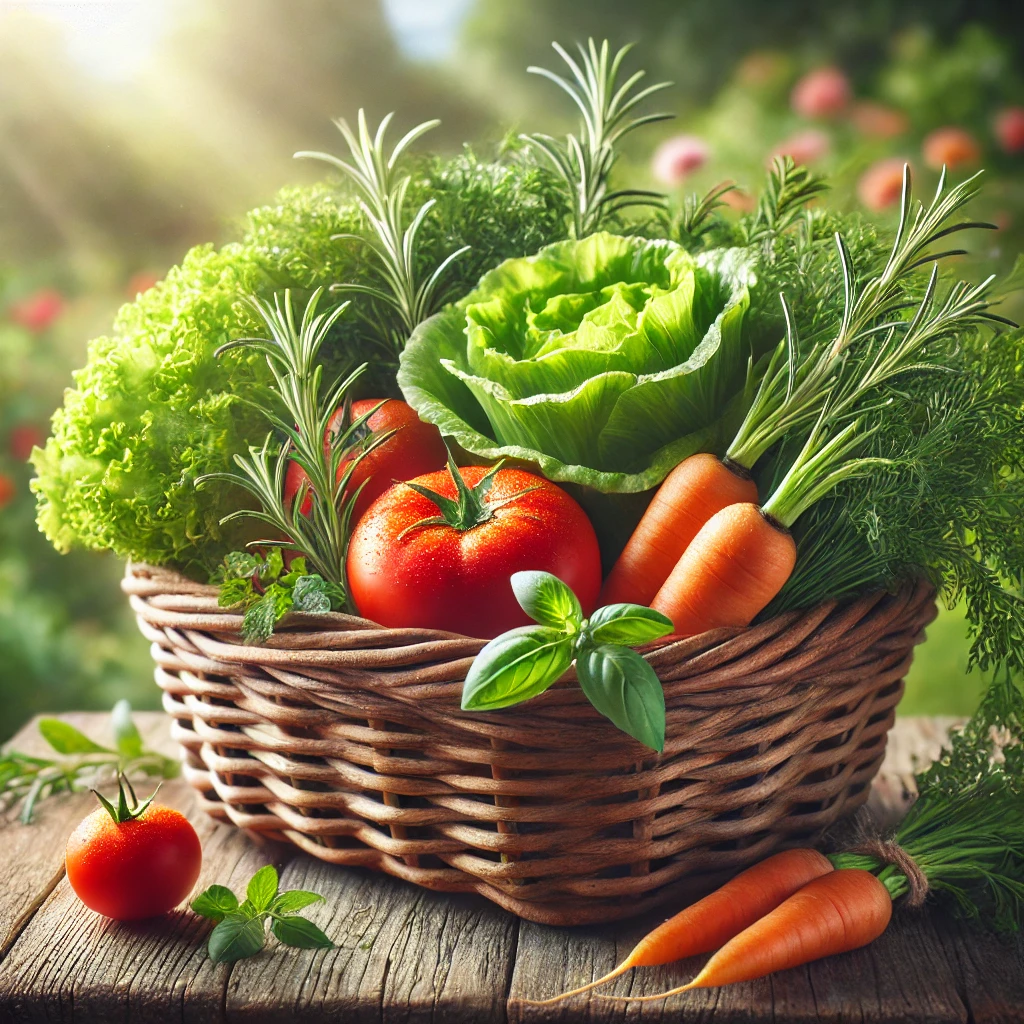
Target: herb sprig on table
241,927
81,763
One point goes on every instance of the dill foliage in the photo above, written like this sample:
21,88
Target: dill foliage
966,829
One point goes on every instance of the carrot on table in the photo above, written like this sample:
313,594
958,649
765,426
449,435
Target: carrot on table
718,917
690,495
834,913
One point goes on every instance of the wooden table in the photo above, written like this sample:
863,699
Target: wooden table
407,955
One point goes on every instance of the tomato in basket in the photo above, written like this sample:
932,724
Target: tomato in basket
437,552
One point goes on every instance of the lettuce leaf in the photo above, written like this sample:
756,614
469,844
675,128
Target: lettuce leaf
603,362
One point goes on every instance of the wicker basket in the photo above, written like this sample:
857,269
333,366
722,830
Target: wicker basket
347,739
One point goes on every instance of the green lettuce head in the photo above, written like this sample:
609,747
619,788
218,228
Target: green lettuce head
603,361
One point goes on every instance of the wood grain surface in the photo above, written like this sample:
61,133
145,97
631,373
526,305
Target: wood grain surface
407,955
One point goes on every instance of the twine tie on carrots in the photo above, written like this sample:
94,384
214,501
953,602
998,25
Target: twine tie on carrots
890,852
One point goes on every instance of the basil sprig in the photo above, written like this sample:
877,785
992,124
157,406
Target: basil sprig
524,662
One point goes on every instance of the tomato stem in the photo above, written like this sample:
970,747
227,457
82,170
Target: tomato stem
469,508
123,812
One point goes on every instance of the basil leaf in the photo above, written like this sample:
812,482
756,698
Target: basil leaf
274,565
216,903
262,887
66,739
628,624
298,932
293,900
625,689
547,600
516,666
126,735
235,938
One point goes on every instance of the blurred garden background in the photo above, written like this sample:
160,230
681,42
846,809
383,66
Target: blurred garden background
131,130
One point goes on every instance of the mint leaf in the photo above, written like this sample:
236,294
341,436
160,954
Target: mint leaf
235,938
215,903
273,567
262,888
547,600
235,592
626,690
516,666
628,624
298,932
294,899
240,565
259,621
126,735
66,739
310,595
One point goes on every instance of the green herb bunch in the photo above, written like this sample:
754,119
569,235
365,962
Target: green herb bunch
81,763
523,663
241,928
965,831
301,416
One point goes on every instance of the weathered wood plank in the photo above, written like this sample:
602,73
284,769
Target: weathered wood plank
35,852
69,962
403,955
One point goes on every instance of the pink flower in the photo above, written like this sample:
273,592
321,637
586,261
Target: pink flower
804,147
878,121
950,147
738,199
1009,128
881,185
677,157
824,92
39,310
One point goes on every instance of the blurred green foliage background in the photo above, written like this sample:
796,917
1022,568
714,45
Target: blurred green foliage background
130,131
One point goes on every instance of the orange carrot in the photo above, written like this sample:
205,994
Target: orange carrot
739,560
687,498
709,922
835,913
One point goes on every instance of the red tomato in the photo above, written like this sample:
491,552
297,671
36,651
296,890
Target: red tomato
405,571
136,868
7,490
23,439
414,449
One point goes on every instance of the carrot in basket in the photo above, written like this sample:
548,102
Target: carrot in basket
739,560
689,496
708,923
834,913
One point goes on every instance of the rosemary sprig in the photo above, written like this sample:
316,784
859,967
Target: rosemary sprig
292,353
585,161
382,191
790,188
796,385
81,762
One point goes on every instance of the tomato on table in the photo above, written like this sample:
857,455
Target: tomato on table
133,862
413,449
437,552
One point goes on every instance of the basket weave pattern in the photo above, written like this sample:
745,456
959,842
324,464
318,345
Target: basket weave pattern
347,739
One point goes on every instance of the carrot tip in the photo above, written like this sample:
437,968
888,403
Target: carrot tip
650,999
620,970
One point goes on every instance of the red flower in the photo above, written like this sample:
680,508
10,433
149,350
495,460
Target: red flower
39,310
824,92
1009,128
877,121
881,185
675,158
6,490
23,439
141,282
804,147
950,147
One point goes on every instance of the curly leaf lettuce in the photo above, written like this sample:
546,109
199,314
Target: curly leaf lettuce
603,361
